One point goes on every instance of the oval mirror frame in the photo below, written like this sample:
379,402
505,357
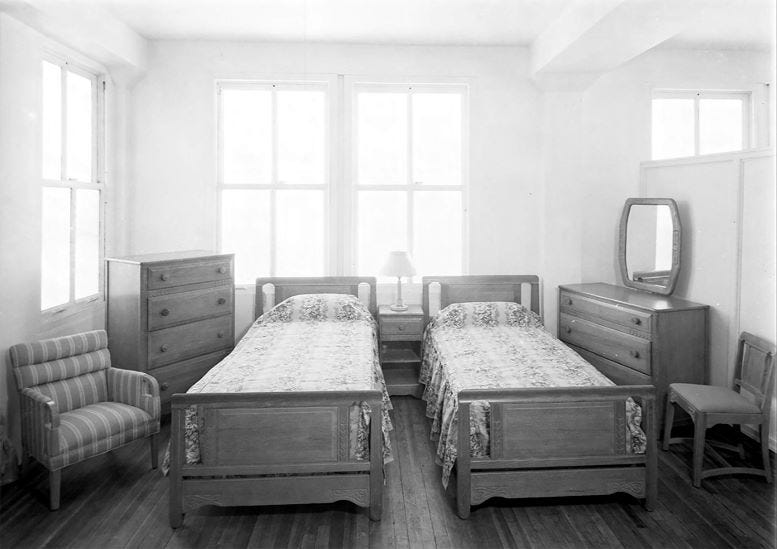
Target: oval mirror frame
676,245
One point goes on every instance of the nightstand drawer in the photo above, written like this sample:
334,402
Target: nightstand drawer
633,320
189,340
626,349
167,276
408,328
171,309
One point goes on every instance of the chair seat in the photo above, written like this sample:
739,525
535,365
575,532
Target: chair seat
85,426
712,399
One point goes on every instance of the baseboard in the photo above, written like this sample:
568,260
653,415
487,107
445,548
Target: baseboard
753,433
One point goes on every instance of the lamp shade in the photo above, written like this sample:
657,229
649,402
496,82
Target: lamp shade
398,264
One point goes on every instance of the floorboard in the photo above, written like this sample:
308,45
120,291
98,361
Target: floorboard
116,500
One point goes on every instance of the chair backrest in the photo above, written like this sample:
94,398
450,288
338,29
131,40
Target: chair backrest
70,370
755,368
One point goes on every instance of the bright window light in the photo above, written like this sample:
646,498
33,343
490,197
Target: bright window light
720,125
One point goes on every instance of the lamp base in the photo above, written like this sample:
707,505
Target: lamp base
399,308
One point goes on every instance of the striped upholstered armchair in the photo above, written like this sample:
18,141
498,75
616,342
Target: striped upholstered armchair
75,406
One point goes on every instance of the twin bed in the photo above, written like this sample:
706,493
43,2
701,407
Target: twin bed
311,425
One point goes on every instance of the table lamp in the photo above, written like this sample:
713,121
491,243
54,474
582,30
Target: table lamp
398,264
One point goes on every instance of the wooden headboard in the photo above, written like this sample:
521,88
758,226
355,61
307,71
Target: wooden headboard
289,286
465,289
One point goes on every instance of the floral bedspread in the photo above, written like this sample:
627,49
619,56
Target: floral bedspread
493,345
312,342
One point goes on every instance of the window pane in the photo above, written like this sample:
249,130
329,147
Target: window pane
247,127
55,247
437,138
382,227
437,233
299,244
301,127
382,138
79,127
673,128
245,231
720,125
52,121
87,243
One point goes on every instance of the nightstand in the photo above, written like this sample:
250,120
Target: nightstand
400,344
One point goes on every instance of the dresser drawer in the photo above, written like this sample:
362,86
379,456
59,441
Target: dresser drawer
177,378
405,329
171,309
190,340
167,276
620,375
625,349
634,320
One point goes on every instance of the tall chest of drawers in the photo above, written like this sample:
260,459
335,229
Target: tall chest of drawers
171,315
635,337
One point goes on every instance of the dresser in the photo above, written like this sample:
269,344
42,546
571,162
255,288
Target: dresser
400,340
636,337
170,315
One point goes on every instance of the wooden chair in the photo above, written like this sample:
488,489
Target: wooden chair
710,405
75,406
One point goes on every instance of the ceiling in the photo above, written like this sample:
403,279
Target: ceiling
744,24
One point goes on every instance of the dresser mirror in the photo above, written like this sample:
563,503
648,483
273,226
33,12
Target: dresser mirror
649,244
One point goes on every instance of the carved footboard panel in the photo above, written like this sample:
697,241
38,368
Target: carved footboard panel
553,442
275,449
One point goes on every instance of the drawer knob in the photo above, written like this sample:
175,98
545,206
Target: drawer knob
164,312
569,329
636,320
222,270
164,348
164,387
400,328
634,354
220,334
569,301
164,276
221,301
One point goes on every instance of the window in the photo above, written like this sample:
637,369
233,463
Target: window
688,123
71,230
295,202
273,177
408,170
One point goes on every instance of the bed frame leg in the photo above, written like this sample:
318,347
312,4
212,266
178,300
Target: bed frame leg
176,461
463,472
376,461
651,474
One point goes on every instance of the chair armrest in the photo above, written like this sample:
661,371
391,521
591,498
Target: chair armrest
136,389
39,410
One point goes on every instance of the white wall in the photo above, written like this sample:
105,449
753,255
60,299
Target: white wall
173,139
21,50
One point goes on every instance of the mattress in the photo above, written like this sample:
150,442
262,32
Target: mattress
497,345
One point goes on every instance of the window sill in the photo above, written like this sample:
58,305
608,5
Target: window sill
57,316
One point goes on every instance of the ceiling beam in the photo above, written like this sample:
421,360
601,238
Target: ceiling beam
86,28
595,36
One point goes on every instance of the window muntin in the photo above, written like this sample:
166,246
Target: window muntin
409,157
71,194
690,123
274,177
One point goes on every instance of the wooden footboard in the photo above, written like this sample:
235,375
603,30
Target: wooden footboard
274,449
550,442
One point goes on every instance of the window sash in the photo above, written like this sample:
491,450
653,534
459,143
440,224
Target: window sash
96,182
410,187
275,185
699,95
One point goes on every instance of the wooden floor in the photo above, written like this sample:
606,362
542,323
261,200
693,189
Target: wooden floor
116,500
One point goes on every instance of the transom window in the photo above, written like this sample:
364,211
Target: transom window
690,123
71,229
